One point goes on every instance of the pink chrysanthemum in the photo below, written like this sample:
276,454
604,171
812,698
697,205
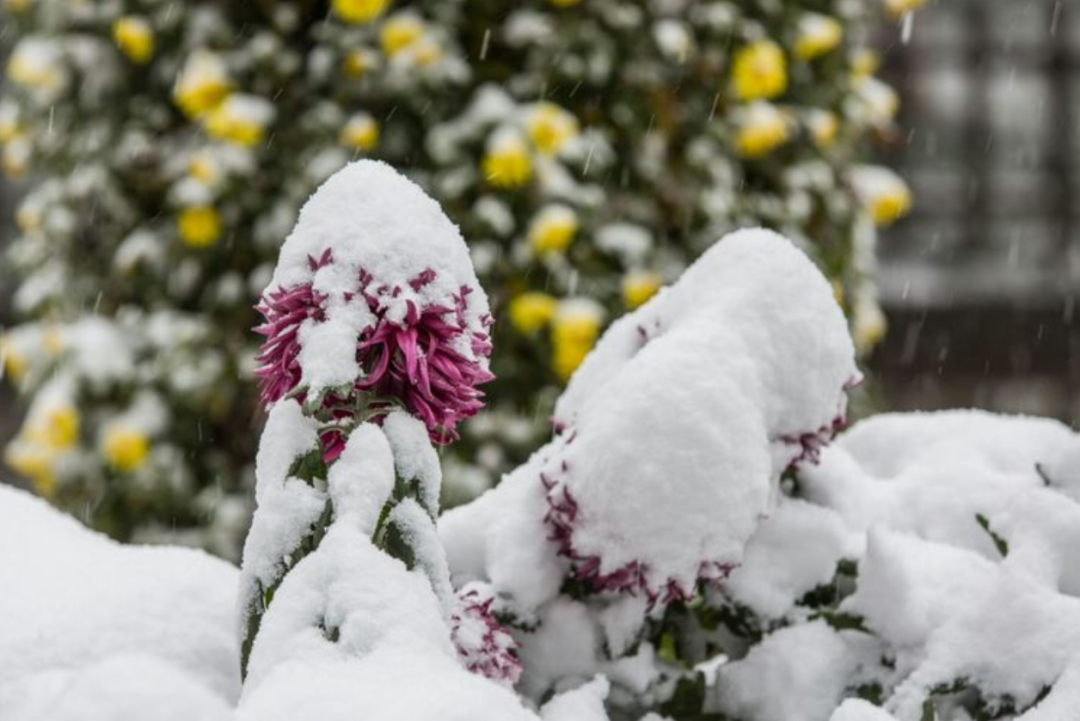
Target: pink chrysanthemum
416,362
483,644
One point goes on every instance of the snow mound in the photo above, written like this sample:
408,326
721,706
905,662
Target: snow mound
76,606
671,434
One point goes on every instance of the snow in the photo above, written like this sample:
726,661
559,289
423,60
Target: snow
369,218
287,507
414,457
361,480
78,608
798,673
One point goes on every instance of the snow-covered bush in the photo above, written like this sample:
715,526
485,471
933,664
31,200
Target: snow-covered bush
589,149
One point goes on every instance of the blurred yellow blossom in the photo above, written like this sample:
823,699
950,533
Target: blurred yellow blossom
761,129
818,34
564,3
883,193
357,62
204,167
550,127
399,32
134,37
240,119
55,428
759,70
125,449
552,230
575,327
359,11
360,132
12,363
35,63
639,286
507,163
53,341
202,85
33,462
17,6
529,312
824,127
879,101
16,156
868,325
864,63
199,226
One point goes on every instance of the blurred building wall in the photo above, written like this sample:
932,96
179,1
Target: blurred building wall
981,282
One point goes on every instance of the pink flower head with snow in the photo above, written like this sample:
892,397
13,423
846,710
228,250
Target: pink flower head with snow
375,298
484,645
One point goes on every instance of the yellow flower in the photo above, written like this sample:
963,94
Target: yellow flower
897,8
759,70
884,193
199,226
529,312
33,462
16,156
241,119
35,63
125,449
878,99
9,122
359,11
553,229
824,127
639,286
361,132
864,63
818,34
425,53
202,85
357,62
550,127
135,38
507,163
761,130
575,327
12,363
399,32
56,429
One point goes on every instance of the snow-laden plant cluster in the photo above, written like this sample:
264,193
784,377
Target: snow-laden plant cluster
589,149
687,546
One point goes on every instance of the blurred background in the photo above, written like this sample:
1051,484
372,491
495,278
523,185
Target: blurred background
924,153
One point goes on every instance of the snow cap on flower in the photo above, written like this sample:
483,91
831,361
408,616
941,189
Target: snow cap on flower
375,292
651,491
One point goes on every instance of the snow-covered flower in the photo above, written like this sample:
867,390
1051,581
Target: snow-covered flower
574,329
203,83
400,32
135,38
550,127
360,132
552,230
759,71
824,127
484,645
884,193
241,119
818,34
638,286
415,337
762,128
507,163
